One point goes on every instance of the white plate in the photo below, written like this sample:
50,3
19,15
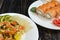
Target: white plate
30,35
39,19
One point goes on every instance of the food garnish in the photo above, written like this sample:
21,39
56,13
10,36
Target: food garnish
33,9
56,22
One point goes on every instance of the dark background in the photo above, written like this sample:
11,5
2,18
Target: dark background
21,6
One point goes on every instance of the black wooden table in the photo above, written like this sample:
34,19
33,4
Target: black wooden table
21,6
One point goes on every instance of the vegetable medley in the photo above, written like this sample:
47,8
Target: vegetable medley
9,29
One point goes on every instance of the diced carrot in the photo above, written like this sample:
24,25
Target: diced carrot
13,23
21,27
13,31
6,31
1,37
8,24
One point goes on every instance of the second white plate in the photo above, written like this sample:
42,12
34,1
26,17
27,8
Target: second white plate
40,20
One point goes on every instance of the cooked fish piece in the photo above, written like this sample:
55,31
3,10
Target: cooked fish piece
52,4
58,11
51,13
42,9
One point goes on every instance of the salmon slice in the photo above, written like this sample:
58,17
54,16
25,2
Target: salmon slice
41,10
58,11
52,4
51,13
45,7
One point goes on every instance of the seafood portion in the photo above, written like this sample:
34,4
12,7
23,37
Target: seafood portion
42,9
58,10
51,13
50,9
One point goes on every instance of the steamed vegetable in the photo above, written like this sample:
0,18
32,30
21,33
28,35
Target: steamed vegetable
4,18
17,37
33,9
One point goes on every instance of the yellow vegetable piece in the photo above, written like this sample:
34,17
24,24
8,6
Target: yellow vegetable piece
18,36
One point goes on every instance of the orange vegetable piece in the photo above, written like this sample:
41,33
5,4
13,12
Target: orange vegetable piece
13,31
6,31
1,37
21,27
14,23
8,24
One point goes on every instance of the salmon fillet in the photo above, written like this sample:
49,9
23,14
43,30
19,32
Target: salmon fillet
51,12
